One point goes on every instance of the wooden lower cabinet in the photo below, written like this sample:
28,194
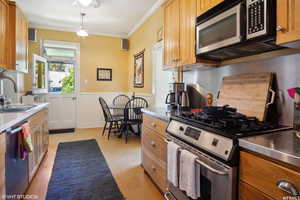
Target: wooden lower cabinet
261,175
40,139
154,151
2,164
248,192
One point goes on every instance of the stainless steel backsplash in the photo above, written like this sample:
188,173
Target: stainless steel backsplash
287,75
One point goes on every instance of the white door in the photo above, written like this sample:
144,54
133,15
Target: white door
63,69
62,111
161,79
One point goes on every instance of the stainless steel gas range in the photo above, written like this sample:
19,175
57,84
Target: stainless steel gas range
213,137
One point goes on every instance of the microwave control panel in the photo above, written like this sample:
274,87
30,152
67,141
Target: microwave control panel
256,18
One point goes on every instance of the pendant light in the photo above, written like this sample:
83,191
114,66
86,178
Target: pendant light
82,32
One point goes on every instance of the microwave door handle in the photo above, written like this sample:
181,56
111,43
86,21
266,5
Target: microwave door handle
216,171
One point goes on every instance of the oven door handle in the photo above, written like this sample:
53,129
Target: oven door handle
216,171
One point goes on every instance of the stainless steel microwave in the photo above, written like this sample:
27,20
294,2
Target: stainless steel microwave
236,28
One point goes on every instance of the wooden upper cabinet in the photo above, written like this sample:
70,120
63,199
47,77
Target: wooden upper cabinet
171,33
18,39
288,21
21,41
179,32
205,5
3,33
188,12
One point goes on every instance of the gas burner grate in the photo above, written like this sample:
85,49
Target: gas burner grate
228,120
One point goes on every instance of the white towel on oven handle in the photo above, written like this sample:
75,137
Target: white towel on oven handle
172,155
189,178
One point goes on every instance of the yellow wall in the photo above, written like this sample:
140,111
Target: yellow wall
102,51
95,51
144,38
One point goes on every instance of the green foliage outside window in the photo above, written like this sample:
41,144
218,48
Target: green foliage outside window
68,82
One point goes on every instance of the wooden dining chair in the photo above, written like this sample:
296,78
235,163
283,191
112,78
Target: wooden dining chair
133,115
113,121
120,101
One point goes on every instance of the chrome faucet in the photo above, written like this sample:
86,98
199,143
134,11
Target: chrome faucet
3,77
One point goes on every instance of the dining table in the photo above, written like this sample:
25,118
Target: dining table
119,111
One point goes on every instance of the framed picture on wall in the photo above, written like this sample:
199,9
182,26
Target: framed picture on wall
160,34
104,74
138,81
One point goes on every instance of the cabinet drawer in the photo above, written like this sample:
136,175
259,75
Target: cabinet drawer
263,175
155,124
154,143
155,171
248,192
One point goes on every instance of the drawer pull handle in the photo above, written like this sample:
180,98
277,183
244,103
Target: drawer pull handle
153,168
288,187
152,143
153,124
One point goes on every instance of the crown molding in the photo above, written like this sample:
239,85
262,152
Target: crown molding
74,31
146,16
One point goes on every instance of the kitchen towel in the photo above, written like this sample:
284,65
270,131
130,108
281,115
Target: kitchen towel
189,178
172,171
27,142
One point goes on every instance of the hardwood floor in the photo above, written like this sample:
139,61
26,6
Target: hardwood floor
123,159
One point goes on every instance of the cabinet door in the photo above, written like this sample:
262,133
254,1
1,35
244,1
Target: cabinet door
31,158
288,21
2,164
187,20
171,34
3,33
21,41
205,5
45,137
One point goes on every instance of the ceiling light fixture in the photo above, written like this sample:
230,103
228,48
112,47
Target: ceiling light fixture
82,32
87,3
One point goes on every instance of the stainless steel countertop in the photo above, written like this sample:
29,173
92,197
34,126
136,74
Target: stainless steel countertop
283,146
160,113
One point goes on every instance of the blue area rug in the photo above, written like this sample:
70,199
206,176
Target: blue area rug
80,172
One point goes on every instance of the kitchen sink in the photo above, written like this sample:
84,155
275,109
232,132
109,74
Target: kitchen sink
16,108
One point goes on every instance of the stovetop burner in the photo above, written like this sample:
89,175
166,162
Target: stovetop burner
227,121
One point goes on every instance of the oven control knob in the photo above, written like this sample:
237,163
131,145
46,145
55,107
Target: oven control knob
181,128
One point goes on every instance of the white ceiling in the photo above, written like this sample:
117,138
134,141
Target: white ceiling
114,17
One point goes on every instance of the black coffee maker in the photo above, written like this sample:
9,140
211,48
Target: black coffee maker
173,98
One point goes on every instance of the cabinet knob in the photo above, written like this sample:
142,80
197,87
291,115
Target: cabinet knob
287,187
152,143
280,28
153,124
153,168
